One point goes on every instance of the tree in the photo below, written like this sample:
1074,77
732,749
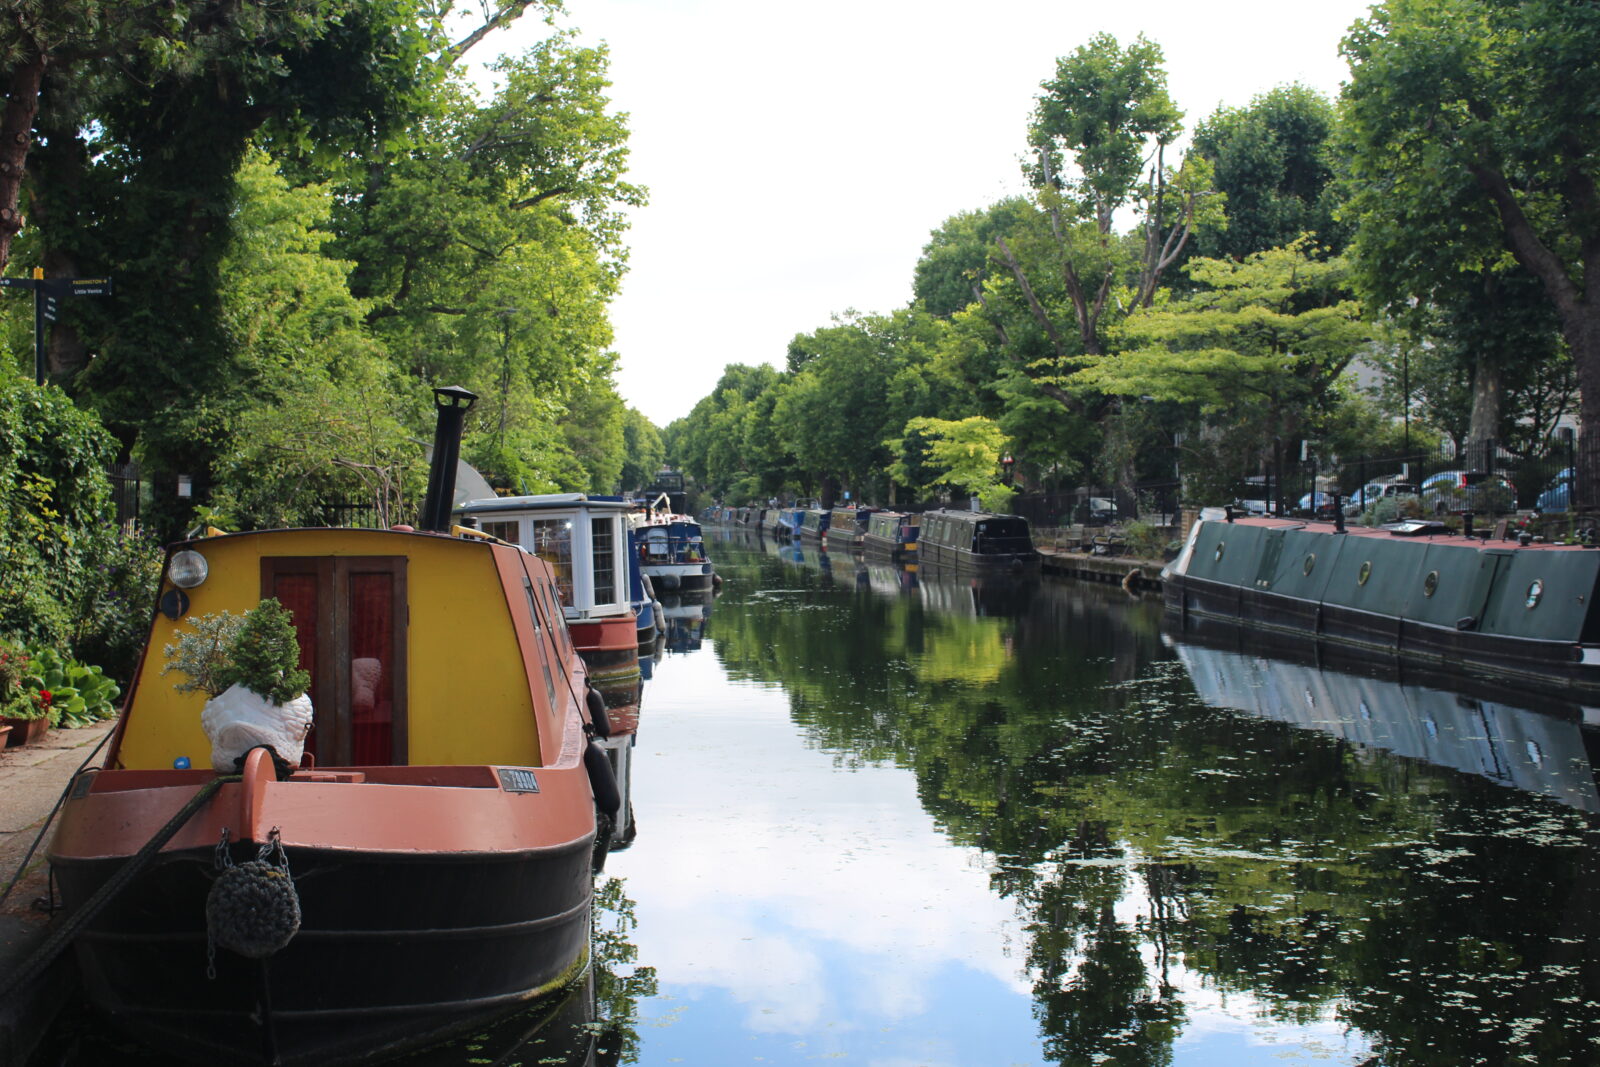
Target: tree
1273,161
643,450
1262,343
1475,135
1103,112
965,454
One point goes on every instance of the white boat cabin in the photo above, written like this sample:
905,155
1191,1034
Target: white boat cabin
584,540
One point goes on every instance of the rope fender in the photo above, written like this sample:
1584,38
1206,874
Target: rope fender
252,908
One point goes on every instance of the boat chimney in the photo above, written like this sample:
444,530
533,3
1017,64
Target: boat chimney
1227,512
1338,514
452,402
1466,524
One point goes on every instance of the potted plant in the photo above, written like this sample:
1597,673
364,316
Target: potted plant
249,667
79,694
24,709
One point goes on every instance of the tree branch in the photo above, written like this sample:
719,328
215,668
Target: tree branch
1039,314
504,17
1525,245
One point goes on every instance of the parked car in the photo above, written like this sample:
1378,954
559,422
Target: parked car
1559,496
1323,505
1372,492
1477,491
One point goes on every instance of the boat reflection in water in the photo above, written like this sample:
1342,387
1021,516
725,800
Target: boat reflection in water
1548,752
686,617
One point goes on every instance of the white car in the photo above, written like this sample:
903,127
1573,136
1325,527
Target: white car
1372,492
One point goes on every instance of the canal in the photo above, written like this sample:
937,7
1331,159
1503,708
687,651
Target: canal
891,819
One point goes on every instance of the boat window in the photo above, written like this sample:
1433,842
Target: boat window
605,560
1310,563
505,531
371,686
552,542
1535,593
1430,584
1364,573
539,640
558,619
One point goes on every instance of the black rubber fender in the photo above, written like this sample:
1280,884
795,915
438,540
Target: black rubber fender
597,713
602,780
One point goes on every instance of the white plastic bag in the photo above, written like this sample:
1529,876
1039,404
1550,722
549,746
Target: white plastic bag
237,720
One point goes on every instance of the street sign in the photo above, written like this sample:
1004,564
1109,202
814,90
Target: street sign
47,293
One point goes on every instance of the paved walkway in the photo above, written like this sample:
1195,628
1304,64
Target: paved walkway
31,780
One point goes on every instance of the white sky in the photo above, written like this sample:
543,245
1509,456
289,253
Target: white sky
798,156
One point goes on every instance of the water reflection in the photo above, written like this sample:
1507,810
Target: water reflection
1192,875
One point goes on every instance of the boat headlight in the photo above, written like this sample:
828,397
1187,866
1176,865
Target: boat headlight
188,569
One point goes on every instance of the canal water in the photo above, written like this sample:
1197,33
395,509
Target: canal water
894,819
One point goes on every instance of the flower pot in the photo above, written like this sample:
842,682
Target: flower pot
5,731
26,731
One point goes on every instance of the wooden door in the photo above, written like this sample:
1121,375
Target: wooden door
350,614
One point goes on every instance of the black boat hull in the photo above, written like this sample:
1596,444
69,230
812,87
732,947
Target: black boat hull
394,952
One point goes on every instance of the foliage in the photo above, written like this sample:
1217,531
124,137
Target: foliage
17,699
643,451
116,599
1274,162
964,453
257,650
264,655
202,654
54,494
1473,137
79,694
1260,343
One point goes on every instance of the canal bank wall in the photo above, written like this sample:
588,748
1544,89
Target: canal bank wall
1140,575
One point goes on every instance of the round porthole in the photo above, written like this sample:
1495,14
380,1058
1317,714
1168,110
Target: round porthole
1535,592
1430,584
1364,573
1220,546
1310,563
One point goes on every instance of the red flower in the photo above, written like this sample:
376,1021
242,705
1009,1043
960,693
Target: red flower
44,697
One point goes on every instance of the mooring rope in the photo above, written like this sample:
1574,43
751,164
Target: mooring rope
62,936
62,799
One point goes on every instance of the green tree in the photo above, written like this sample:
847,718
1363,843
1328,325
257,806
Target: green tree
1274,162
643,450
1474,138
965,454
1261,343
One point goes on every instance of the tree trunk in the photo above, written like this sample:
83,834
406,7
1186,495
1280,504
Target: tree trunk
1488,394
1583,338
16,136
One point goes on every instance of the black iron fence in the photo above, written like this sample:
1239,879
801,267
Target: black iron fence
1155,503
1484,478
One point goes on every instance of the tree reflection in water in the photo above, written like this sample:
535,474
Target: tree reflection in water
1165,853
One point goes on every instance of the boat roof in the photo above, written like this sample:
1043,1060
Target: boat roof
1425,533
545,502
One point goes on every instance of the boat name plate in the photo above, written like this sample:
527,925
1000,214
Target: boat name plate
518,780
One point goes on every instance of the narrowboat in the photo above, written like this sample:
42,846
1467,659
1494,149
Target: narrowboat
585,540
672,553
814,523
892,534
1480,608
846,527
975,540
435,838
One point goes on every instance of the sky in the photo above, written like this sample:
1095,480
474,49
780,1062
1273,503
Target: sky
799,156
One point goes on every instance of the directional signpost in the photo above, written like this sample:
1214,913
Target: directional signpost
47,294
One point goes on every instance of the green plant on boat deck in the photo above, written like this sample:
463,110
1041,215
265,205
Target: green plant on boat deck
257,650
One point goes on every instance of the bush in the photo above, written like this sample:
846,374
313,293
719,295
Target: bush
54,495
116,600
17,699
